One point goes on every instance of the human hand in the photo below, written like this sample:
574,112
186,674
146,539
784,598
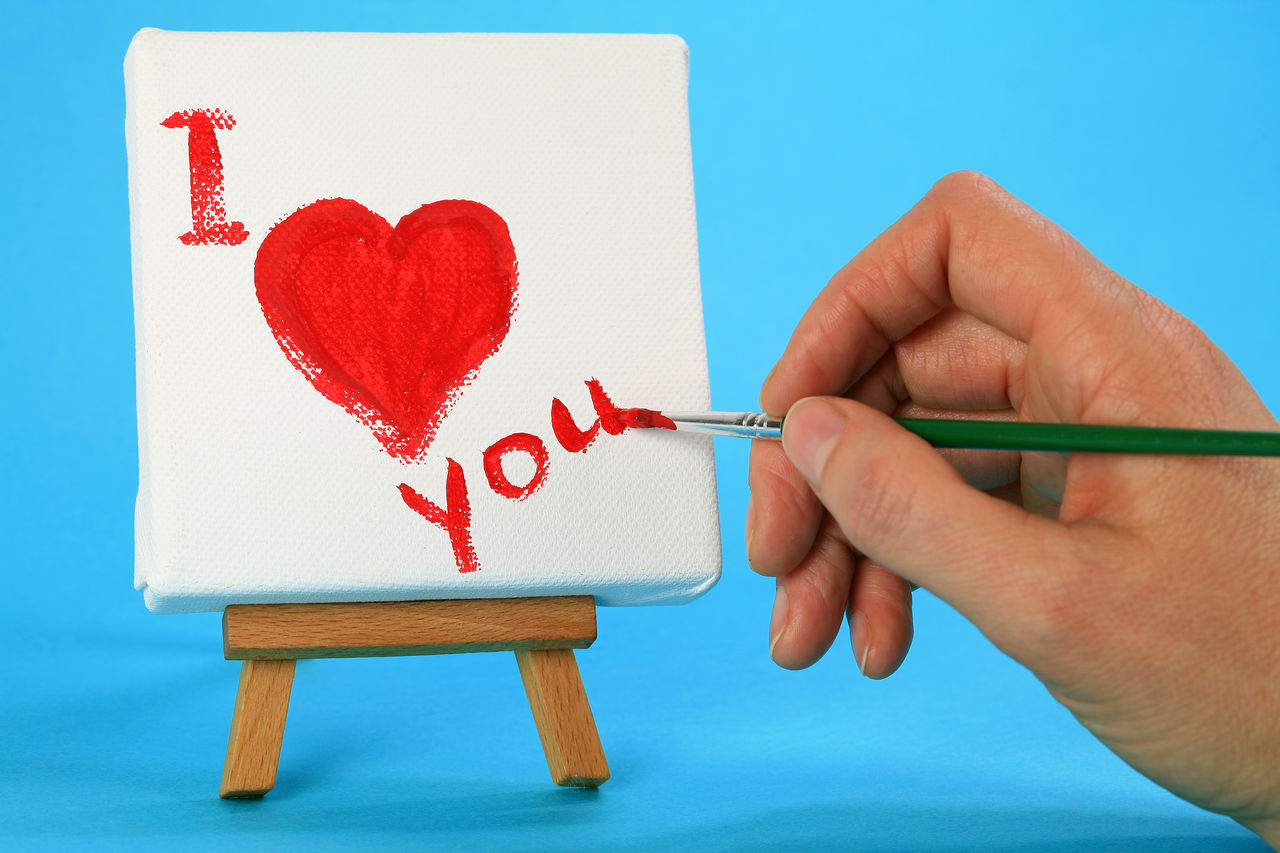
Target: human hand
1143,591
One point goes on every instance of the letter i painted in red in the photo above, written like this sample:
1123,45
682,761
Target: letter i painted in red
208,211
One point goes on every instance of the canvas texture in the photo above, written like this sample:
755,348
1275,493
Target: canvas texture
362,260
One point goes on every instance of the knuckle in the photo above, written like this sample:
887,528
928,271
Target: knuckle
979,213
966,184
1179,339
854,287
1174,353
1163,322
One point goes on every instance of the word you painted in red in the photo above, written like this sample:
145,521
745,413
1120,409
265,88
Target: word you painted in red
455,517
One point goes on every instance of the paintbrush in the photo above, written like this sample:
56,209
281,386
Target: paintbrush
997,435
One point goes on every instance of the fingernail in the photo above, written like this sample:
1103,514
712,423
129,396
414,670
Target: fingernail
812,428
861,639
750,524
778,622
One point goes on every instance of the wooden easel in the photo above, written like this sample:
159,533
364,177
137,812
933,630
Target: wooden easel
543,632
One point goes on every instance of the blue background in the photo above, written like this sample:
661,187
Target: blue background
1149,131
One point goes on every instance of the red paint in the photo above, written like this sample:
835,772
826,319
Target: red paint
567,433
609,418
520,442
607,411
208,211
389,323
645,419
456,519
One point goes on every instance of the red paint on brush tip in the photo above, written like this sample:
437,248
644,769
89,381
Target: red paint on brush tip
645,419
609,418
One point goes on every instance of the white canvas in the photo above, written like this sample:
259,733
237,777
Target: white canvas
255,486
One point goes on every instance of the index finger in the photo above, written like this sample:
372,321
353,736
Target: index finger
967,243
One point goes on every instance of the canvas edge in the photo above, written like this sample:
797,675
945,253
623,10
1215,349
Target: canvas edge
144,557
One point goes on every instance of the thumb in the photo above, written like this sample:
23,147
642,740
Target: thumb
903,505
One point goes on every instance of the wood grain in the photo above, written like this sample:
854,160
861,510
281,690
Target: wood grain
257,728
377,629
563,716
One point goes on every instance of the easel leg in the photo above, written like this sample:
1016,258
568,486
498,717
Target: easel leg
565,724
257,728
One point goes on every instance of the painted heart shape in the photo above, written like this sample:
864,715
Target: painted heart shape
389,323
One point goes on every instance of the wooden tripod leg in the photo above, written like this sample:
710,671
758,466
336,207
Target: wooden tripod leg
565,724
257,728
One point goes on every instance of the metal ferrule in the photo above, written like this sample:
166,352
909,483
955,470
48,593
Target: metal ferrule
748,424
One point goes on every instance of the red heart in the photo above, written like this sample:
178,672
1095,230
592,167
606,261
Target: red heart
389,323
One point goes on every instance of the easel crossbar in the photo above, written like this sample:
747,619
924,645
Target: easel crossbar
378,629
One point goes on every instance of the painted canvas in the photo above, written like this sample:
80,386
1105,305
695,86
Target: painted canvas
395,297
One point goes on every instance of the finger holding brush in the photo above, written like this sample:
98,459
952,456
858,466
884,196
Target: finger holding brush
1143,590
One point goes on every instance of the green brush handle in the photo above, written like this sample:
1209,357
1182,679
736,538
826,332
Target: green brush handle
1012,435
